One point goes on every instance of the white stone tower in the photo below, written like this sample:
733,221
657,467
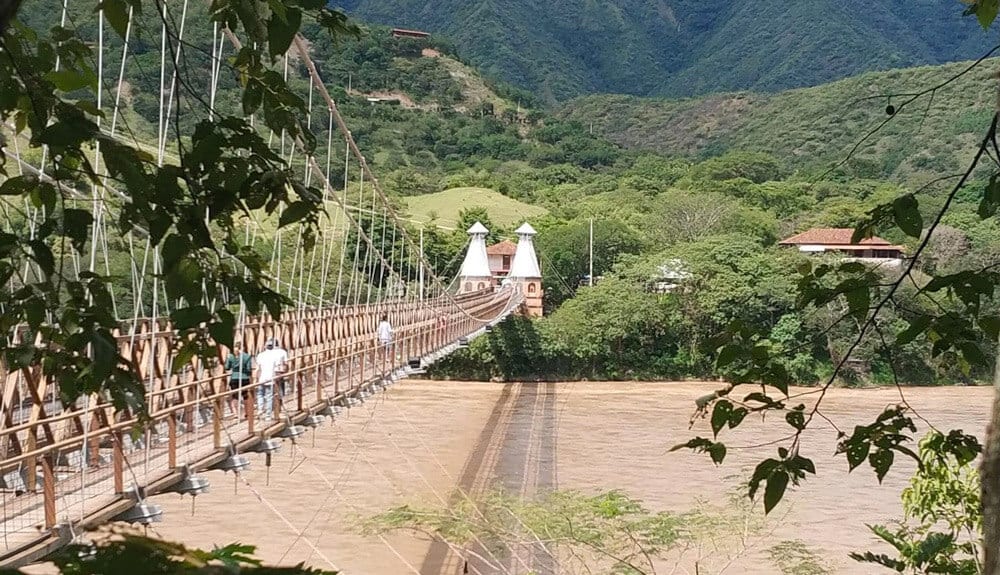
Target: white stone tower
524,271
475,274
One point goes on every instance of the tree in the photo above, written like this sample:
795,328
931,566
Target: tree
942,516
956,333
135,554
572,532
186,204
566,247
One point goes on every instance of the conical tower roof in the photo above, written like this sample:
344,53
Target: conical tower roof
525,264
478,228
476,263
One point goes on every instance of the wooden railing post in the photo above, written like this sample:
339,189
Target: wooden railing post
118,461
48,490
250,407
217,412
171,440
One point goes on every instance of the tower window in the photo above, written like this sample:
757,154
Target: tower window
531,288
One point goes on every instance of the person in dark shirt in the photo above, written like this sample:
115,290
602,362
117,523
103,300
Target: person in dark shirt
239,364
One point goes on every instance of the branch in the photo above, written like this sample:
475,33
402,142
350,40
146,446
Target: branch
912,262
912,97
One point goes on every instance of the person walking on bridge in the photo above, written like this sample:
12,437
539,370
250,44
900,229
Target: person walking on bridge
239,364
384,334
270,362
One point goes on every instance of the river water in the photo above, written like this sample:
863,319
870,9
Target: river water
421,439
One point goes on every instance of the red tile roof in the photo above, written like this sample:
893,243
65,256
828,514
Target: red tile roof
405,32
831,236
504,248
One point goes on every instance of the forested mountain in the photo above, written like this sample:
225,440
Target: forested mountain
815,128
564,48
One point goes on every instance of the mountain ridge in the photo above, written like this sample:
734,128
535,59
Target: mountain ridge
814,129
565,48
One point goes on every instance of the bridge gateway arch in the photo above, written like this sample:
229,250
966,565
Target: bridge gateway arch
65,467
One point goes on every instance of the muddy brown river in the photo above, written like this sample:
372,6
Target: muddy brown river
422,439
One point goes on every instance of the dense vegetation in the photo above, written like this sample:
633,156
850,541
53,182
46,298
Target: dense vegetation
814,129
565,48
743,309
718,221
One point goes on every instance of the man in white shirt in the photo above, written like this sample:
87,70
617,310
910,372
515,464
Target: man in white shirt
270,363
384,333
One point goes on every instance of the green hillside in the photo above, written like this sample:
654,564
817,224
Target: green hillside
564,48
814,128
443,207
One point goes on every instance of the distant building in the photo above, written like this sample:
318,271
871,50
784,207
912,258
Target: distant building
500,256
525,272
669,276
507,264
403,33
838,241
475,273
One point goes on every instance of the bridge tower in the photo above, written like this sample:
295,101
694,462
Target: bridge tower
475,274
524,271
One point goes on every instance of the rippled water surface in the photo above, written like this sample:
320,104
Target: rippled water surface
416,443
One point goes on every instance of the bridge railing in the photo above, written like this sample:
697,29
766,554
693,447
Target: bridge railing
67,467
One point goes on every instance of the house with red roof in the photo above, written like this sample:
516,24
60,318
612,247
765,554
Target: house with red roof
838,241
500,256
404,33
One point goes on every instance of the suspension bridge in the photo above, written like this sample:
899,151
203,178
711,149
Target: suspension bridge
66,467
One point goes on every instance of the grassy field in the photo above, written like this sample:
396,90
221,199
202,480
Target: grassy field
443,207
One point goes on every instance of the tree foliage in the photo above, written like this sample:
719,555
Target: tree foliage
135,554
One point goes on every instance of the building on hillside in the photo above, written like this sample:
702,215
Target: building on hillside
403,33
525,272
838,241
500,256
670,275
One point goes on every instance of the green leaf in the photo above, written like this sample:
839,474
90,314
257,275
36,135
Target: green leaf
189,317
856,452
184,355
803,463
281,31
881,461
929,549
906,214
696,443
737,416
253,94
796,419
294,212
985,11
727,355
68,80
18,185
991,198
43,257
116,11
859,302
717,452
917,326
222,330
76,225
777,482
720,415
